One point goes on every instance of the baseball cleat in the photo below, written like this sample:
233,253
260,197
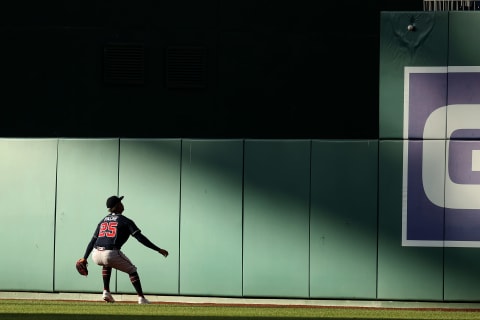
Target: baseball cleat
108,297
143,300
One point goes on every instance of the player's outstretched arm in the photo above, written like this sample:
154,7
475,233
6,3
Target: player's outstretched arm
147,243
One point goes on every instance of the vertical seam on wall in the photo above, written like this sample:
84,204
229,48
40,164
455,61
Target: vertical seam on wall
443,231
445,161
118,194
55,217
118,168
243,208
310,221
179,213
378,215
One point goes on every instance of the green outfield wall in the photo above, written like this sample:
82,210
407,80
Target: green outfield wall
240,218
429,141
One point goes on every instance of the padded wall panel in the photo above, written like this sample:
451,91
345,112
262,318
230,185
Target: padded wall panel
87,175
461,274
211,218
276,218
27,195
149,178
463,27
462,264
404,273
343,223
426,46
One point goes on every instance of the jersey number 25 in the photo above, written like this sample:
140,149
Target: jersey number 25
108,229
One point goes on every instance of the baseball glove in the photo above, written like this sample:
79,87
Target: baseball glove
81,266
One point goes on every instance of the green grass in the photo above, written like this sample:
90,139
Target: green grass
75,310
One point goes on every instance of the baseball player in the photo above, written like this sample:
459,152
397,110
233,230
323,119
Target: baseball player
110,235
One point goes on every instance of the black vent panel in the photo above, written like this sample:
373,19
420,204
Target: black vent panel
124,63
186,67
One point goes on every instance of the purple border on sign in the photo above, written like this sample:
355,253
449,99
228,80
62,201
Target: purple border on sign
425,220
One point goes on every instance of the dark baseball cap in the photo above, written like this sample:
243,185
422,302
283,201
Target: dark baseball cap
113,200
